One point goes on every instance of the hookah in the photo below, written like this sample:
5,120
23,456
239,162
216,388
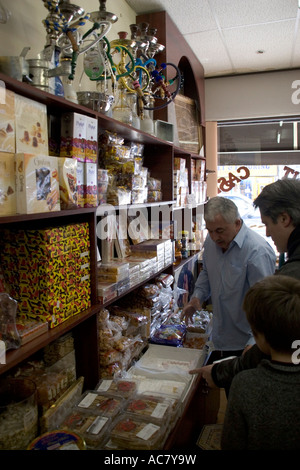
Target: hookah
145,78
64,43
97,64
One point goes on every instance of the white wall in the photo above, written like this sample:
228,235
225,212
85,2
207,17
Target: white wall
252,96
25,28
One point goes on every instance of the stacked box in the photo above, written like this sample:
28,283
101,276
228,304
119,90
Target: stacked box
31,126
154,247
48,271
90,185
180,185
67,170
80,184
7,121
8,202
73,136
91,146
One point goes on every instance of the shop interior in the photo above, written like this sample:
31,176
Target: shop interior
118,121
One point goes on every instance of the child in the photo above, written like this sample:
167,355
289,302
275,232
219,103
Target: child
263,410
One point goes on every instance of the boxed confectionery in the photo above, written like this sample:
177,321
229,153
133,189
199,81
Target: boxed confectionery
179,163
31,126
7,121
91,146
106,291
67,171
157,247
80,172
37,184
73,136
48,271
113,272
90,184
8,202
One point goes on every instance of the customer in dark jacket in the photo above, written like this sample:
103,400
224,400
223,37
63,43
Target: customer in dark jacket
279,205
263,409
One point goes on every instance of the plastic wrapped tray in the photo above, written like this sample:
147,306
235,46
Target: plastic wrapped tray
93,428
130,432
104,404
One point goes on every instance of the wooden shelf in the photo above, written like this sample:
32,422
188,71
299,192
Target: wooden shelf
15,356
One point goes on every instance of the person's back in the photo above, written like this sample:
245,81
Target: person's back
267,399
263,410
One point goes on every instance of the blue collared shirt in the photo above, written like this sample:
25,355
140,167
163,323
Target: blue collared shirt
226,277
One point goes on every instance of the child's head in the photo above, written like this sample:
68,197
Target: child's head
272,307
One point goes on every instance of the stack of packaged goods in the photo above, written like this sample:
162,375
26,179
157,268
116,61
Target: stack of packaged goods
162,249
154,189
155,300
79,142
48,163
120,340
127,178
113,280
198,184
180,177
47,271
53,375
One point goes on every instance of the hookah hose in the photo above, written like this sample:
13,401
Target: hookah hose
160,80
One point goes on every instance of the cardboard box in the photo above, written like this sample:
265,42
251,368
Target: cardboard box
37,183
7,122
67,173
8,202
90,183
73,136
91,146
31,126
80,184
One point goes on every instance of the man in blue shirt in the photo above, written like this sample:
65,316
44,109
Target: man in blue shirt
234,258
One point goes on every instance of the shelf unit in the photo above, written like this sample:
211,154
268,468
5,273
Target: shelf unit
159,157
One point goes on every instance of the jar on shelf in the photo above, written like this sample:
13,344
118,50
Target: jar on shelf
121,110
184,235
132,101
18,413
178,254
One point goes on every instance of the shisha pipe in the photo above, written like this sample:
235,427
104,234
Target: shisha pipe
158,79
58,21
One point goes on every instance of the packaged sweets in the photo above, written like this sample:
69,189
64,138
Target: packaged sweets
31,126
37,183
7,122
101,403
121,387
67,170
93,428
148,406
8,202
130,432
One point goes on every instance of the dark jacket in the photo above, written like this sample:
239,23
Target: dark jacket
223,372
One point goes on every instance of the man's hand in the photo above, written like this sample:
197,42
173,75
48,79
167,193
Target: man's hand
205,373
190,308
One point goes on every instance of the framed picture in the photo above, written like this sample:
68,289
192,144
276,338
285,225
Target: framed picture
189,131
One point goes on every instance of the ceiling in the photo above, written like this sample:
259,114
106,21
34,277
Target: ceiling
235,36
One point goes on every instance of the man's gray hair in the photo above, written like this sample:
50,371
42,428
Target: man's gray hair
278,197
221,206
